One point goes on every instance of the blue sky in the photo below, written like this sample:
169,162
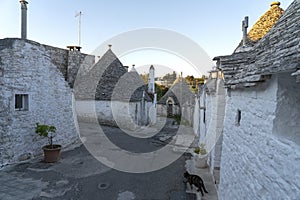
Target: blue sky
213,24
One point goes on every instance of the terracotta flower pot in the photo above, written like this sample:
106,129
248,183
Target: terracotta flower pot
51,153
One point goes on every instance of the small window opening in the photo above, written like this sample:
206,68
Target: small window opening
21,102
204,116
238,117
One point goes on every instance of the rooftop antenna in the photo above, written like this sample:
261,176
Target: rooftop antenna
79,26
244,29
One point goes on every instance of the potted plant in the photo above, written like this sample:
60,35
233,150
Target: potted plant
202,149
200,157
197,150
51,151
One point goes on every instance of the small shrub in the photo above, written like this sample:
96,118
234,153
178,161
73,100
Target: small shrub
46,131
197,150
202,149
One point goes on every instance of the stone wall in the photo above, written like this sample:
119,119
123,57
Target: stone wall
288,109
196,117
187,113
59,57
69,62
216,124
153,111
161,110
257,164
28,68
202,120
78,62
211,111
114,113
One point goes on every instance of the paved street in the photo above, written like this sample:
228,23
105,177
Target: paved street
78,175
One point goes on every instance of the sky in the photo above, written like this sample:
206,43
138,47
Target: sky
214,25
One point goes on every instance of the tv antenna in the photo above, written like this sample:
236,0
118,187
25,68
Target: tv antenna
79,14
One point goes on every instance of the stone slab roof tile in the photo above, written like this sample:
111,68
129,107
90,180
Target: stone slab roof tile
180,93
278,51
98,82
109,80
131,88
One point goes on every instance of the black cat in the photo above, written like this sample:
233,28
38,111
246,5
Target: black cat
196,181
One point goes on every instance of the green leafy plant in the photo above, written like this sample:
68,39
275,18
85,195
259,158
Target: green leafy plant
202,149
177,118
197,150
46,131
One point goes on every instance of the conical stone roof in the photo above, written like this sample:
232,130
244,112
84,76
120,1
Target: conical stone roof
265,22
277,52
180,92
108,80
130,87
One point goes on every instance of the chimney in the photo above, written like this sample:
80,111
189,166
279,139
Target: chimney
244,28
23,19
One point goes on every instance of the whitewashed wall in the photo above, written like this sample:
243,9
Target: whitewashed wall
287,121
196,117
123,114
256,163
202,125
27,69
187,113
211,122
153,110
217,121
162,109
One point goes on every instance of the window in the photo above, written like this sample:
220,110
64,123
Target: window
21,102
238,117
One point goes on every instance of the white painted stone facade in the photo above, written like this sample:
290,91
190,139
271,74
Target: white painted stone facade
178,101
215,130
153,111
125,115
27,69
260,151
111,95
196,117
162,109
151,91
187,113
210,107
151,82
261,154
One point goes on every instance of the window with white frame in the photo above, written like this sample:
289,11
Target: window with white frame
21,102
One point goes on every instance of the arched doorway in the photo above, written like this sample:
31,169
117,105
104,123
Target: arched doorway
170,107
